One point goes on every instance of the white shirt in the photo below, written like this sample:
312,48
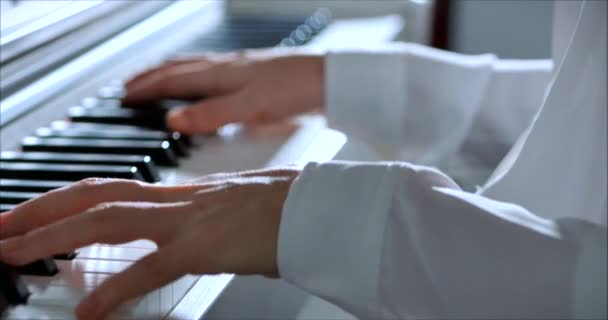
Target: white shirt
398,240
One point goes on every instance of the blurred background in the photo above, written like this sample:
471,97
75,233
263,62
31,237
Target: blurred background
37,36
509,28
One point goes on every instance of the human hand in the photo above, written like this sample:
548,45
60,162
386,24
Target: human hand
251,87
219,223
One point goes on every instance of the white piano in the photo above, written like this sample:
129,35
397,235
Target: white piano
73,53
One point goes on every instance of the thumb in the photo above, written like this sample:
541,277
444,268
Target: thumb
207,116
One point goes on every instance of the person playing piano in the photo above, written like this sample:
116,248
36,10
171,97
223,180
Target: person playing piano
382,240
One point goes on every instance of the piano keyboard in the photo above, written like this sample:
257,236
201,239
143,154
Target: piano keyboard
99,138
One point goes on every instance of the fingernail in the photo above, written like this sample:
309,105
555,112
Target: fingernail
178,120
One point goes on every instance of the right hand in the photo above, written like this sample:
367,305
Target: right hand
221,223
250,87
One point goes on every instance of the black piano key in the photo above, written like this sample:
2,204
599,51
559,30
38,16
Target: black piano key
112,102
66,256
148,118
6,207
71,172
144,164
31,185
160,151
176,144
17,197
3,304
43,267
163,104
186,139
12,286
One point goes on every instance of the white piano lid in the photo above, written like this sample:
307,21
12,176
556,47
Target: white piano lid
27,16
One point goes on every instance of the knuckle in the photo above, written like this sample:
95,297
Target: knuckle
115,211
105,212
89,187
92,186
127,184
90,183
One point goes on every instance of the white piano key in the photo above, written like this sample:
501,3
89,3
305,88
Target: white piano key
142,244
65,312
94,266
70,277
104,252
57,296
67,288
59,302
31,312
70,297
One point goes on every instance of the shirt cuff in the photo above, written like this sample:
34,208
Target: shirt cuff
330,233
364,93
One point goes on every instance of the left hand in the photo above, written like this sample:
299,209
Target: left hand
252,86
220,223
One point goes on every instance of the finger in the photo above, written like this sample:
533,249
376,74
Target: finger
209,115
151,272
211,56
163,68
110,223
288,170
78,197
178,82
198,60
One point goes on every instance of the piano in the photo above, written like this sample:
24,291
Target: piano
61,121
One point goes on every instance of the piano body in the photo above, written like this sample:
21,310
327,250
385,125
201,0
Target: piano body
61,121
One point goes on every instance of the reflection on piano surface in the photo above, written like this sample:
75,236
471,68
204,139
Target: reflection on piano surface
100,138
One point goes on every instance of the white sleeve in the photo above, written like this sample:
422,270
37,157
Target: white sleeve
421,102
394,240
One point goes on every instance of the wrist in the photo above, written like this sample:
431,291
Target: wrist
310,71
317,67
282,178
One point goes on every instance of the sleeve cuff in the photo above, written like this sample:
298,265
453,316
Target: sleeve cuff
317,249
365,91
